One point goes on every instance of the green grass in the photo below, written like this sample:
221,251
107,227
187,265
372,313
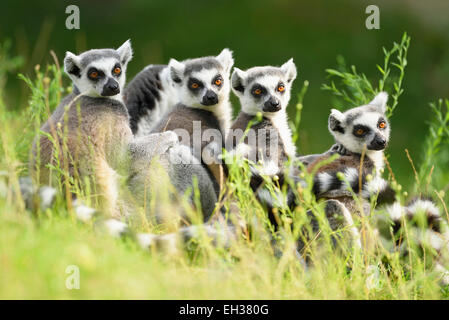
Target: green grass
36,248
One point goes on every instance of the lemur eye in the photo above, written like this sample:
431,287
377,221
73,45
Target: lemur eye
117,70
195,85
281,88
218,82
257,91
93,75
382,125
359,132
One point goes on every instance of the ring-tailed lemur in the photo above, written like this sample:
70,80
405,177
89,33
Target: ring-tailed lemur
204,110
263,91
360,133
158,88
90,127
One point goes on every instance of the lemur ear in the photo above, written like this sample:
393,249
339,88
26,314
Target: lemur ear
125,52
237,81
380,101
336,119
225,59
289,68
176,70
71,64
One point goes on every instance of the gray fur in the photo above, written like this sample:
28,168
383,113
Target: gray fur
159,156
96,54
198,64
91,132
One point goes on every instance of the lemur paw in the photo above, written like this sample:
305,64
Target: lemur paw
211,153
182,154
339,149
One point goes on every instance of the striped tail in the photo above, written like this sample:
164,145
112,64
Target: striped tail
350,180
418,225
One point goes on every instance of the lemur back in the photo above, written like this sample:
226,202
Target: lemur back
90,127
148,97
185,121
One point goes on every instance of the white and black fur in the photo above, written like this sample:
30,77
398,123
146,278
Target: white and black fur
158,88
148,96
203,88
263,91
103,61
419,226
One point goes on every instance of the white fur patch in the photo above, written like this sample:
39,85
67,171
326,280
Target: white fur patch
395,211
242,150
374,187
182,154
325,180
47,195
145,240
424,206
378,159
350,223
444,274
84,213
380,101
280,122
269,168
430,238
351,175
115,227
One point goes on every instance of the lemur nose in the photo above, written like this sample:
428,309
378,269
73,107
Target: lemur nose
378,143
210,98
111,88
272,105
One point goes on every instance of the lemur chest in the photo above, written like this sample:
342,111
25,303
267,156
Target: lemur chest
262,141
195,127
103,127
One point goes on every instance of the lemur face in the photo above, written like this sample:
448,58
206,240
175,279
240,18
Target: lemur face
364,126
264,89
202,82
99,72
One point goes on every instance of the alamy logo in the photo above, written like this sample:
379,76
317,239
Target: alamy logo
264,143
73,280
373,20
73,20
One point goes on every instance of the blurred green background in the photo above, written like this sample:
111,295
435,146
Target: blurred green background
260,33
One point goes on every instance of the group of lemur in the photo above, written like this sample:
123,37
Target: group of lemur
103,124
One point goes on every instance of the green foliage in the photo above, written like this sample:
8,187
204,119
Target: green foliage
436,151
8,64
354,89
